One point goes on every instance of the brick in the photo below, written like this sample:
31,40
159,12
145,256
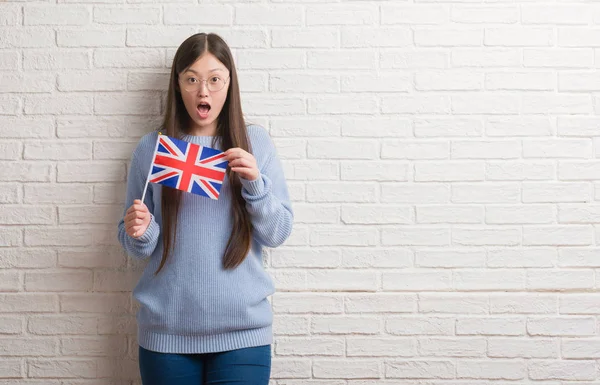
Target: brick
27,215
157,36
58,150
28,347
562,370
86,127
525,257
419,325
342,149
486,104
27,258
346,324
420,369
343,59
415,193
94,346
496,369
307,303
291,325
417,280
90,214
127,15
342,105
94,303
522,348
451,347
303,83
100,171
56,59
26,172
477,280
30,83
90,38
453,303
322,346
384,257
27,37
61,368
368,37
311,170
28,302
451,258
541,214
9,61
558,57
449,214
128,58
11,15
530,303
312,38
386,127
58,104
346,369
11,237
376,214
485,14
335,236
55,15
380,347
348,14
439,37
58,281
578,170
247,14
341,192
122,104
491,326
381,303
340,280
448,80
567,326
97,80
414,14
563,235
440,127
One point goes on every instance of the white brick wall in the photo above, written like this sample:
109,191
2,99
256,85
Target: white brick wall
443,157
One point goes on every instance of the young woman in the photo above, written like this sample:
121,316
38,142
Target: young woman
204,317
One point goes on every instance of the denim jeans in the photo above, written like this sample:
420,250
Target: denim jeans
247,366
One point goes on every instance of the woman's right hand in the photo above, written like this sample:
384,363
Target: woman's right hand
137,219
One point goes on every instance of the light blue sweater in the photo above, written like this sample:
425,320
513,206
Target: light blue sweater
193,305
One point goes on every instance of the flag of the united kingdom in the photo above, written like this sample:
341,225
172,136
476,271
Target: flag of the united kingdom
188,167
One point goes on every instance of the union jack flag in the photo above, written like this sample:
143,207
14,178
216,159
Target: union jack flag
188,167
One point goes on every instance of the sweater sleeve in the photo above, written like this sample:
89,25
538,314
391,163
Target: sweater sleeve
144,245
267,200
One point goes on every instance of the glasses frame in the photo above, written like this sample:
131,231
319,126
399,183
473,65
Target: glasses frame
225,81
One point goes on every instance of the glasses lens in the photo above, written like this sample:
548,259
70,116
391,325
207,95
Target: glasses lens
215,84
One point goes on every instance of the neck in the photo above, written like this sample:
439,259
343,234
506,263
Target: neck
209,130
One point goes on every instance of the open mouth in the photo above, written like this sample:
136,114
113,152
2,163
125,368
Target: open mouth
203,109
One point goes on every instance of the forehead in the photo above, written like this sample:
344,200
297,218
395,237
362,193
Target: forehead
207,63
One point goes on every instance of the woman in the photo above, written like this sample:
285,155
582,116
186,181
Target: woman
204,316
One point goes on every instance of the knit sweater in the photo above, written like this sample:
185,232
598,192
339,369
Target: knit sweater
194,305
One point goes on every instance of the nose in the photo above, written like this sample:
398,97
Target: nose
203,90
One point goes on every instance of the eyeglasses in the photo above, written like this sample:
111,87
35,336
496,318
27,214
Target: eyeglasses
192,84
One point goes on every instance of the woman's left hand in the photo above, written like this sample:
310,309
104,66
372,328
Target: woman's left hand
243,163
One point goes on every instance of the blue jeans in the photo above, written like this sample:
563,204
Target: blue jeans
247,366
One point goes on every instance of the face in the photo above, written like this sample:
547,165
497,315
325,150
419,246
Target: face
199,90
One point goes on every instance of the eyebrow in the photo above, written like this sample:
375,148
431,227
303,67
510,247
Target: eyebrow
213,70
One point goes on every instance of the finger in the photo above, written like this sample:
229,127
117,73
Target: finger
240,162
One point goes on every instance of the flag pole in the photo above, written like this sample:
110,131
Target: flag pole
151,163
